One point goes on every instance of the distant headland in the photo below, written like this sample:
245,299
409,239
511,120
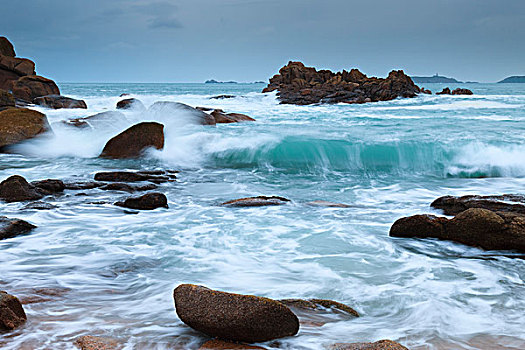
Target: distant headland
514,79
213,81
435,79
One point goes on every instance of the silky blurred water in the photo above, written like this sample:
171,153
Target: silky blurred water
112,274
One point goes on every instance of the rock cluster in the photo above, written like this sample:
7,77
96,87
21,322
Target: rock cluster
18,76
458,91
483,222
297,84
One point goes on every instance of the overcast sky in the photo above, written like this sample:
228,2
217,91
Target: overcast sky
248,40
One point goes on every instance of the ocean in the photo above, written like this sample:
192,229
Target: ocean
111,273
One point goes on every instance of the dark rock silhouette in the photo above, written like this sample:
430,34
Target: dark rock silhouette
148,201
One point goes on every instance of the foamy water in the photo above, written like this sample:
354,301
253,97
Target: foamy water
115,272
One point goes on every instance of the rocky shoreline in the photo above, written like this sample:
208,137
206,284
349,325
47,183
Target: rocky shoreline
229,320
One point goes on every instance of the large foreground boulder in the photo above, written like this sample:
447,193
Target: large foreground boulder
58,102
182,111
235,317
378,345
10,228
148,201
12,313
474,227
132,142
297,84
17,189
29,87
20,124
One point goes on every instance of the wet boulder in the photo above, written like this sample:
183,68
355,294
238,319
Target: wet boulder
29,87
58,102
226,118
183,111
235,317
135,176
49,186
12,313
132,142
259,201
17,189
10,228
451,205
130,103
148,201
378,345
20,124
475,227
217,344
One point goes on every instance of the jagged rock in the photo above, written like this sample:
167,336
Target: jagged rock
224,345
259,201
425,91
12,313
89,342
244,318
302,85
445,91
20,124
132,142
49,186
378,345
10,228
181,110
130,176
130,103
474,227
148,201
30,87
17,189
506,203
58,102
6,48
6,100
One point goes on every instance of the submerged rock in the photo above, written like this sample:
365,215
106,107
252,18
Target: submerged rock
130,103
148,201
259,201
244,318
458,91
119,186
30,87
135,176
110,120
20,124
378,345
302,85
319,304
39,206
505,203
10,228
474,227
318,312
59,102
181,110
224,345
221,97
132,142
327,204
89,342
225,118
16,189
12,313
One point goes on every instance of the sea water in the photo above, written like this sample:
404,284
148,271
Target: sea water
112,274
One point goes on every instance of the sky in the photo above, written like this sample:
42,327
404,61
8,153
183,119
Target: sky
249,40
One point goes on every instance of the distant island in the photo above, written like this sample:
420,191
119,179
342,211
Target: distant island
435,79
213,81
514,79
